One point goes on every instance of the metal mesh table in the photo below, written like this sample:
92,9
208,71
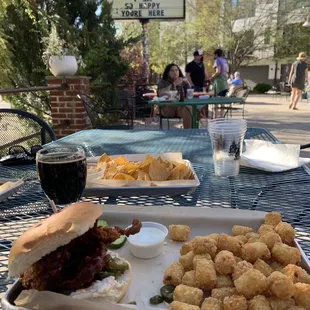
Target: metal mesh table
287,192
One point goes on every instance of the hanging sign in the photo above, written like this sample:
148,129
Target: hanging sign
148,9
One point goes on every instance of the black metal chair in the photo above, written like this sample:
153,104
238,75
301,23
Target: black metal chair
18,127
142,108
96,112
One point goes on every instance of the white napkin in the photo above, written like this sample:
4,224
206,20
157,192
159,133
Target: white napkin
163,98
264,155
204,97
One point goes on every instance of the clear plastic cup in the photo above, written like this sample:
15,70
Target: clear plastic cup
227,137
190,93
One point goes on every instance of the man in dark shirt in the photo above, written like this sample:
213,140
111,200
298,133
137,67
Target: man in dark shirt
195,72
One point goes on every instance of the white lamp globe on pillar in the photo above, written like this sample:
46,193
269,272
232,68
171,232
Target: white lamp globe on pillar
307,22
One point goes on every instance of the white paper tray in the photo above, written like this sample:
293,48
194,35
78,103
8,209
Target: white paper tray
130,191
12,189
150,272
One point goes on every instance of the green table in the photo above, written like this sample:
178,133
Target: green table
194,103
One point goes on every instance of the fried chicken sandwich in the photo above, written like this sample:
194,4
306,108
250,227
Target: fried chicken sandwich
67,253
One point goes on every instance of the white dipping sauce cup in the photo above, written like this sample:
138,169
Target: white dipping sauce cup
149,241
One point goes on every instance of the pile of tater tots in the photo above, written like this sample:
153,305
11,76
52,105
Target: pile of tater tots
246,271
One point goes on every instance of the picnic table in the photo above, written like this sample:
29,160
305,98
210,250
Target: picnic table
195,103
286,192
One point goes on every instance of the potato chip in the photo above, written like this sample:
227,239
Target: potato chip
143,176
150,169
157,171
121,160
122,176
104,158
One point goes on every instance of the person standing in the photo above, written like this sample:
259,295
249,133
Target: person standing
298,78
195,72
220,75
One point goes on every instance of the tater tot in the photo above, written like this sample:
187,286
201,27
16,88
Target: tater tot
215,237
189,278
265,228
286,232
179,232
280,304
224,262
240,230
252,235
296,308
176,305
205,274
211,303
186,247
251,283
276,266
263,267
243,239
285,254
188,295
240,268
221,293
200,256
229,243
204,245
223,281
270,239
296,274
238,259
252,251
280,285
259,302
302,295
235,302
173,274
272,218
187,261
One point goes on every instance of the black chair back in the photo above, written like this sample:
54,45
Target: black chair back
18,127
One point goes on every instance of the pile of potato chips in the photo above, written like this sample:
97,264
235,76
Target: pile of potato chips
151,169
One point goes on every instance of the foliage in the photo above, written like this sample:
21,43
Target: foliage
262,88
54,46
219,24
24,27
132,53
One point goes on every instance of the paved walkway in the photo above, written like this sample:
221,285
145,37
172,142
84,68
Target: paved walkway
267,111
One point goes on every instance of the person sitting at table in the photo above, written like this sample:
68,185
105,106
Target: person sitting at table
173,79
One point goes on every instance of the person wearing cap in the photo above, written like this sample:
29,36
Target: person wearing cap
195,72
298,78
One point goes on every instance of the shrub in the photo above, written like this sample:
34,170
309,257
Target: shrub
262,88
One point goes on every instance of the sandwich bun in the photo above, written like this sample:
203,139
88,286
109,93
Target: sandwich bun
53,232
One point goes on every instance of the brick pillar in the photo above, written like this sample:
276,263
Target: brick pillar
68,112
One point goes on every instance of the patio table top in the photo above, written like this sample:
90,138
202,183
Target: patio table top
286,192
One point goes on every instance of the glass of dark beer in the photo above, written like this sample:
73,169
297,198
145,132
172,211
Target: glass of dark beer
62,172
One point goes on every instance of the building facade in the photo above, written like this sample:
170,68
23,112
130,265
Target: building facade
271,21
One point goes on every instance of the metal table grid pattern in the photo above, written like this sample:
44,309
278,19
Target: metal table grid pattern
256,190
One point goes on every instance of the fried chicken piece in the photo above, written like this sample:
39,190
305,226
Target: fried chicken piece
110,234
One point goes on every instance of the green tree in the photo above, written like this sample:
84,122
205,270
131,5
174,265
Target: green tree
24,23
